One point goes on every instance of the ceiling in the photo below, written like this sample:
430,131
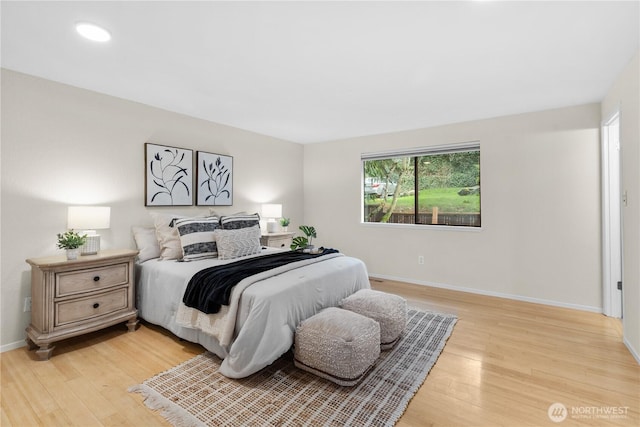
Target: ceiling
318,71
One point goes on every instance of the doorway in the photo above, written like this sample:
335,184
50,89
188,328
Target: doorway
612,292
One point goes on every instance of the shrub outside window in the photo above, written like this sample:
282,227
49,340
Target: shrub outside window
428,186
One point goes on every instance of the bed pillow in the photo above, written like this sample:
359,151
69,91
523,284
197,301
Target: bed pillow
197,237
146,242
167,235
239,242
234,222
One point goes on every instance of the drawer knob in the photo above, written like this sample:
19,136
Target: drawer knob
96,305
96,278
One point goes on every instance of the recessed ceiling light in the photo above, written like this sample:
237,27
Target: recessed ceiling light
93,32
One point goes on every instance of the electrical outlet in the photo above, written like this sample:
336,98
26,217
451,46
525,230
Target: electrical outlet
420,259
27,304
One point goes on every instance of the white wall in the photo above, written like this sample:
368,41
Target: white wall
625,96
540,238
63,145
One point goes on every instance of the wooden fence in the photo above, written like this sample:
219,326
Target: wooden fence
434,217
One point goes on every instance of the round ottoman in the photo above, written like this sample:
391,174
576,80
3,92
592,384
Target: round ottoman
338,345
389,310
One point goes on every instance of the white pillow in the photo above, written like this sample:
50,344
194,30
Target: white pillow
146,242
237,243
197,237
167,235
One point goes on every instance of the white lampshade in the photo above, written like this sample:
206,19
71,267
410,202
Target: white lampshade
271,210
89,219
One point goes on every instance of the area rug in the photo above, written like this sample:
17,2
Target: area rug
195,394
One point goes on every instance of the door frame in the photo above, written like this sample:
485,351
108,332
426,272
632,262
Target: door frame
611,220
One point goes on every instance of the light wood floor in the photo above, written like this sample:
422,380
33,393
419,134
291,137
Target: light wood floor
505,364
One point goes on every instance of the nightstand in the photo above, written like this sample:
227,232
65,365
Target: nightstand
70,298
277,240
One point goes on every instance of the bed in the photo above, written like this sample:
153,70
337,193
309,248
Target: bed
268,311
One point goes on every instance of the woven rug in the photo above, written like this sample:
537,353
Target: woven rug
194,394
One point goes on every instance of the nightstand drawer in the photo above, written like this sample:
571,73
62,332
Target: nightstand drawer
280,242
277,240
74,282
90,307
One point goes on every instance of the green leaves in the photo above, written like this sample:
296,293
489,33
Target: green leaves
309,231
300,242
71,240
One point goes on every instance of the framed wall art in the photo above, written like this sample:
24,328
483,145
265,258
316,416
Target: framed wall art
168,176
215,179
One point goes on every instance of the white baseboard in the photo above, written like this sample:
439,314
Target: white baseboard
12,346
632,350
491,293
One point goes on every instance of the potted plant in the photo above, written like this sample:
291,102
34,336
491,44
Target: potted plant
304,242
284,223
71,242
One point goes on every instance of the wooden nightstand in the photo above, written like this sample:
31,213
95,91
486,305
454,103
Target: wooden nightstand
277,240
70,298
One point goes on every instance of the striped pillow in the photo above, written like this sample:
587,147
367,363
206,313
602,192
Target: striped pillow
238,243
237,221
197,237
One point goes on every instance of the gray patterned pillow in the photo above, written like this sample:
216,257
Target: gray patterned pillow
197,237
238,243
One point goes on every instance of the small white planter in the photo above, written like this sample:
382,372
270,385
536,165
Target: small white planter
73,253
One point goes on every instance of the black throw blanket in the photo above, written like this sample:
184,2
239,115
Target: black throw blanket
210,288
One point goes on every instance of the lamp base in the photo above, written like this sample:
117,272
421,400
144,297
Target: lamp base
272,227
91,246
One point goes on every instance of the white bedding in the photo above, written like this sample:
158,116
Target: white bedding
268,311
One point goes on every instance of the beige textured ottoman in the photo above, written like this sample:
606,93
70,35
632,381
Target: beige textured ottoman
338,345
389,310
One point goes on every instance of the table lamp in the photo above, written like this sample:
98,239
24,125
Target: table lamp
271,211
89,219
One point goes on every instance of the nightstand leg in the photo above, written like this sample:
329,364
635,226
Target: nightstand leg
30,344
44,353
132,323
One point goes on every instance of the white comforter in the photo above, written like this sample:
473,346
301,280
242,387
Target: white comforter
268,311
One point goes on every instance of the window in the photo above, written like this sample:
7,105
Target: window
435,185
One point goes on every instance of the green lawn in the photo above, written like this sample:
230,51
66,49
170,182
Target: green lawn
446,199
